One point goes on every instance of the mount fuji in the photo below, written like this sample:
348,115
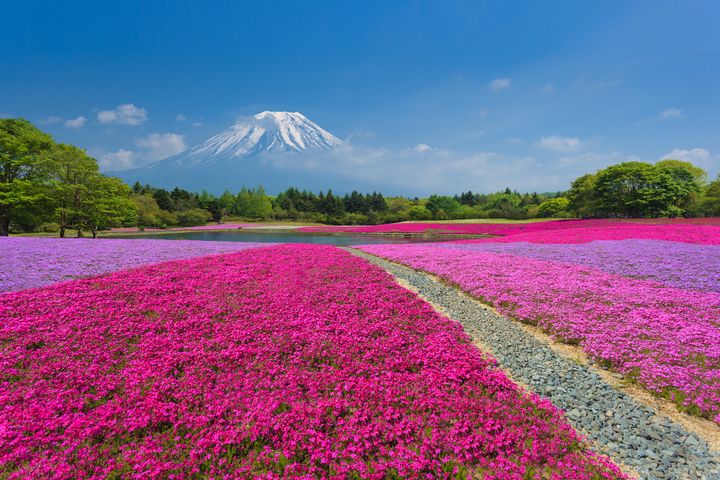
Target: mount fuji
255,150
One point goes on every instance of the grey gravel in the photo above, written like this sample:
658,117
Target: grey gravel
631,433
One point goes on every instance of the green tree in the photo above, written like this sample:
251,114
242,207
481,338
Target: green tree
710,202
581,196
24,171
74,174
149,214
442,206
254,203
698,175
553,207
163,199
108,205
637,189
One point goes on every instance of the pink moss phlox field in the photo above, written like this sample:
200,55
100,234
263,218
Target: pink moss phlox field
293,360
687,233
35,262
665,338
464,228
683,265
557,231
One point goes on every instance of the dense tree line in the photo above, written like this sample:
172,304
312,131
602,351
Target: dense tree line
669,188
54,187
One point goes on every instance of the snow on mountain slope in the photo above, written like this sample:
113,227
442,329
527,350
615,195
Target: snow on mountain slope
264,132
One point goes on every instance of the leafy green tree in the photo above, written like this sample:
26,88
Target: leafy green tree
698,175
710,202
163,199
637,189
581,196
553,207
193,217
74,174
149,214
253,203
442,206
108,205
24,171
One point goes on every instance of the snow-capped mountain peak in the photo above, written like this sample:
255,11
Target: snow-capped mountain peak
263,132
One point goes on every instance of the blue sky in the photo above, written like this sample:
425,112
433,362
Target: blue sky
527,94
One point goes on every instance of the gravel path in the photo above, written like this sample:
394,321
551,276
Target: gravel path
632,434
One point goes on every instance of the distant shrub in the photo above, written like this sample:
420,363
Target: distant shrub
193,217
47,227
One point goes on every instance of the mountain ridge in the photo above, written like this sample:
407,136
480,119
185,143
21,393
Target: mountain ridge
264,132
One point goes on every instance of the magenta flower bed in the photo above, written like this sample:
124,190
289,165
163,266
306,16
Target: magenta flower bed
558,231
666,338
35,262
296,360
465,228
687,233
678,264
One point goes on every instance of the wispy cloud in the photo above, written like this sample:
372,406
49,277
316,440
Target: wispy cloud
51,120
161,145
420,170
119,160
557,143
698,156
78,122
180,117
500,84
670,113
125,114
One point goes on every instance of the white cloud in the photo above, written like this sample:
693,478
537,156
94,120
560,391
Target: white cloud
180,117
161,145
500,84
120,160
125,114
51,120
78,122
670,113
698,156
197,124
514,141
422,147
434,171
557,143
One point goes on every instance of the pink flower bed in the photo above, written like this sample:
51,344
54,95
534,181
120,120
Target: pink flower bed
665,338
296,360
465,228
698,234
557,231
